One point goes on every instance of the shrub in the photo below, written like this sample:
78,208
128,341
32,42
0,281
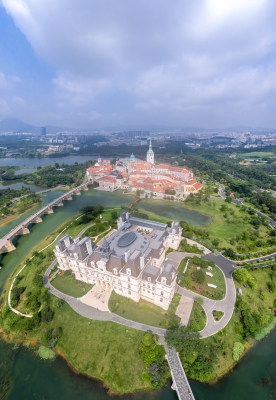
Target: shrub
47,314
46,354
237,350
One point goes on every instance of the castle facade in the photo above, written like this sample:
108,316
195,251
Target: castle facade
132,261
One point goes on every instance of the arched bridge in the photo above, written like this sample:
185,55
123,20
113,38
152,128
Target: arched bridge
6,242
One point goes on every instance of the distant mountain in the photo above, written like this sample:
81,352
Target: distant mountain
16,125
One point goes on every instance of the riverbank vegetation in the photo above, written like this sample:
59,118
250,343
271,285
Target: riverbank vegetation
11,209
51,175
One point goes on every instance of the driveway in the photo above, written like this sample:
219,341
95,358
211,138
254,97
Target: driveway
226,305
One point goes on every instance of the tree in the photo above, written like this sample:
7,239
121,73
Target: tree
215,242
182,337
228,199
229,253
199,276
114,215
241,275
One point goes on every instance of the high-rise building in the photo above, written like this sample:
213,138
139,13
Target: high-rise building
43,131
150,154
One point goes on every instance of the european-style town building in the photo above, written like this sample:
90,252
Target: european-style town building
132,174
132,261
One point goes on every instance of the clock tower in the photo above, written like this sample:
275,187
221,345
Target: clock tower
150,154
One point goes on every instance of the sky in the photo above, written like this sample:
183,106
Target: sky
120,63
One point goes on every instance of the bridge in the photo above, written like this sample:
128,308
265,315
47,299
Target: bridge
6,242
180,381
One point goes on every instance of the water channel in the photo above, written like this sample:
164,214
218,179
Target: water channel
42,162
31,378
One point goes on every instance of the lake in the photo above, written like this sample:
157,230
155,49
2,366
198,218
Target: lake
19,185
175,211
42,162
30,378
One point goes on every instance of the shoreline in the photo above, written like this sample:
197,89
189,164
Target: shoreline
10,338
15,216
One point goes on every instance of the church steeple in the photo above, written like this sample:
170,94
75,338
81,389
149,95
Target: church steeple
150,154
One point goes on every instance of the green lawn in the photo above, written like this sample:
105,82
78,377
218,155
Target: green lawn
218,315
69,285
189,281
257,154
143,312
198,317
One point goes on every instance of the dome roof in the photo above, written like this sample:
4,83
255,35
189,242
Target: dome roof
127,239
132,157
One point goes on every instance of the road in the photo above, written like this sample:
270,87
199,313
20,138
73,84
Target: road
226,305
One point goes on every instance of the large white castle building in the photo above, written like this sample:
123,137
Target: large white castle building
132,261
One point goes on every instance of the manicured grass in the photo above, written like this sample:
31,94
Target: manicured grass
188,281
69,285
143,312
198,317
218,315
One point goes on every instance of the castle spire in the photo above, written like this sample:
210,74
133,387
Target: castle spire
150,154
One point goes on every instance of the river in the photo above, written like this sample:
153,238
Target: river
31,378
42,162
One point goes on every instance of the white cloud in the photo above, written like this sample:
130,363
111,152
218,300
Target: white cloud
167,61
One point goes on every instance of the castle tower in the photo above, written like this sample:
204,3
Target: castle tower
150,154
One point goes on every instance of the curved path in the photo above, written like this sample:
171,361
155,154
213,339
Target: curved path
95,314
226,305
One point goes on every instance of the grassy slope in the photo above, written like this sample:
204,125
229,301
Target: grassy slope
105,350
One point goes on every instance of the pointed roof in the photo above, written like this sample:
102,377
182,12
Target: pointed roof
150,147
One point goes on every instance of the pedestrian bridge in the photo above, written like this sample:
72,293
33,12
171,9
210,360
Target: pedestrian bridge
180,381
6,242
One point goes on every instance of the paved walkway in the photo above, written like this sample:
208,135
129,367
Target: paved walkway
95,314
97,297
226,305
184,309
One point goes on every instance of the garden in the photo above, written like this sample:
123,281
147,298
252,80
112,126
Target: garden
202,277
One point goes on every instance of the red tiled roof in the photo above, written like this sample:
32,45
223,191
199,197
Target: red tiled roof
107,179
